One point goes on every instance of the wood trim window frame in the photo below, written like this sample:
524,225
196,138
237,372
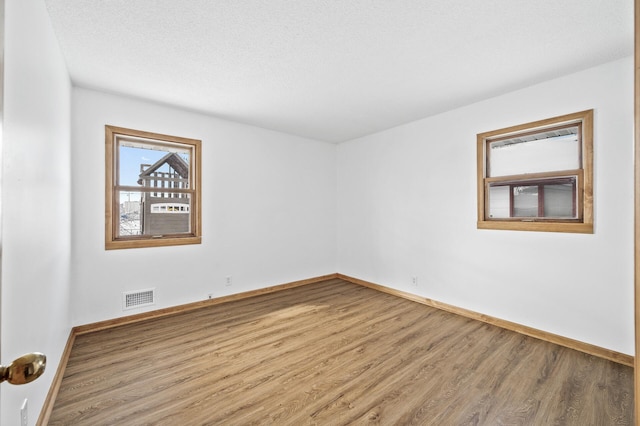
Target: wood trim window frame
636,180
112,188
583,221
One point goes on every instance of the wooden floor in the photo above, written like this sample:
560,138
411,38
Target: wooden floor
333,353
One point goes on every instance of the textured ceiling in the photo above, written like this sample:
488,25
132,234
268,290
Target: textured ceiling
332,70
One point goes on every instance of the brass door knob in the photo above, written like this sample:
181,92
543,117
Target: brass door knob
23,370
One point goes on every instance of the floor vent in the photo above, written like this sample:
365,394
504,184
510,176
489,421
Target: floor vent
138,298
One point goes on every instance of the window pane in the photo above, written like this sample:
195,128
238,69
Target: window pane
166,213
145,213
554,197
159,168
499,202
130,210
559,201
541,152
147,164
525,201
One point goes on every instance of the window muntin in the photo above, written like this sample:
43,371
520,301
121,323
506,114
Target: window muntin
538,176
152,189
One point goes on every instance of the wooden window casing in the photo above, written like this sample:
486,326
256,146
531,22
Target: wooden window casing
113,188
582,220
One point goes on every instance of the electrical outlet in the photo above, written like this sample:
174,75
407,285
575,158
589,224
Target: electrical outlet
414,281
228,281
24,417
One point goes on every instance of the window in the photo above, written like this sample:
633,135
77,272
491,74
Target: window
538,176
152,189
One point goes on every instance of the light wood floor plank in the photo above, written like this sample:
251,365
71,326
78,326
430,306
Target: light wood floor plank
333,353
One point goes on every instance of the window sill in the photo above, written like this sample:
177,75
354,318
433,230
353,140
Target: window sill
146,242
576,228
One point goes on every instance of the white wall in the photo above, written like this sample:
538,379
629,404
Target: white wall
268,210
407,206
35,201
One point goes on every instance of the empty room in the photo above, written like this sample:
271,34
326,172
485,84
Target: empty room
317,212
